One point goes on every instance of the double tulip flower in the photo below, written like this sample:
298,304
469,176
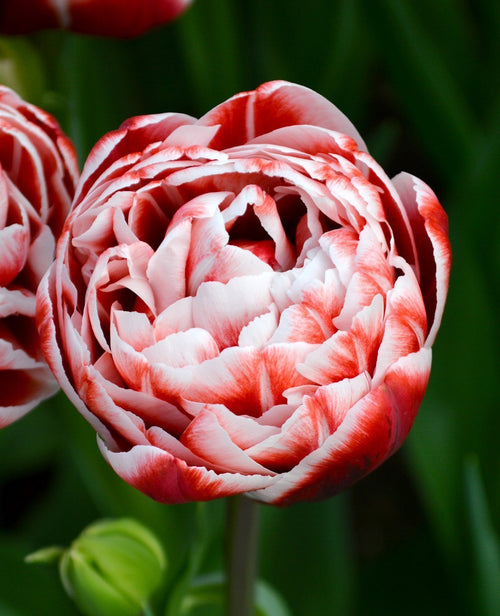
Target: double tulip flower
239,303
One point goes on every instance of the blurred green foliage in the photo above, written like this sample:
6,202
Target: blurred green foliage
420,81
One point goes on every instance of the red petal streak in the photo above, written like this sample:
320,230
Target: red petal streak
312,140
311,424
430,226
169,479
243,431
312,320
405,322
373,276
206,438
233,379
348,353
14,246
341,246
274,105
248,381
371,431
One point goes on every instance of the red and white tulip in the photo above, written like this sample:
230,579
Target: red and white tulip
246,302
38,174
101,17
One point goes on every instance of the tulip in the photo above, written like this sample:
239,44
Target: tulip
101,17
38,174
246,303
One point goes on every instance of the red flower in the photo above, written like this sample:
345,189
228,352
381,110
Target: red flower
102,17
38,174
246,302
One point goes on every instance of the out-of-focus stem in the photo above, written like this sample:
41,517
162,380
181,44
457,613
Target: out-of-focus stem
242,549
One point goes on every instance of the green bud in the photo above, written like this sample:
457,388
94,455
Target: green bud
113,568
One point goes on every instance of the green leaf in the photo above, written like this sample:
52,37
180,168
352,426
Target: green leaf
434,438
485,541
48,555
207,595
269,602
318,537
432,97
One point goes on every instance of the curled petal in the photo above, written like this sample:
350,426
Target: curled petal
430,227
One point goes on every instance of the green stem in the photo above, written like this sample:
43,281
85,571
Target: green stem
242,550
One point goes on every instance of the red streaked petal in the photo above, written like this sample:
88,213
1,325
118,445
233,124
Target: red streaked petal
215,308
348,353
430,226
23,390
133,328
14,246
166,270
405,322
371,431
274,105
181,349
151,410
373,276
259,331
206,438
169,479
133,136
244,431
310,425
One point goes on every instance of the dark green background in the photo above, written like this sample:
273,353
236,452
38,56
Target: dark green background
421,81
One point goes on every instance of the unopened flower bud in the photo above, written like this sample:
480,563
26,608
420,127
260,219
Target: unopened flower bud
113,568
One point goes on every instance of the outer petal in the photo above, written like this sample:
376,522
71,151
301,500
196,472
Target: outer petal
38,173
274,105
372,430
170,480
430,227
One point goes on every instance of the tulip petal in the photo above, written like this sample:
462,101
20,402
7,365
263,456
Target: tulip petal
274,105
430,227
169,479
370,433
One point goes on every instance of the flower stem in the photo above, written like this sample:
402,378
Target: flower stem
242,548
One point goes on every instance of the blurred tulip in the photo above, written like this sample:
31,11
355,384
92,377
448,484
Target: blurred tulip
38,173
101,17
